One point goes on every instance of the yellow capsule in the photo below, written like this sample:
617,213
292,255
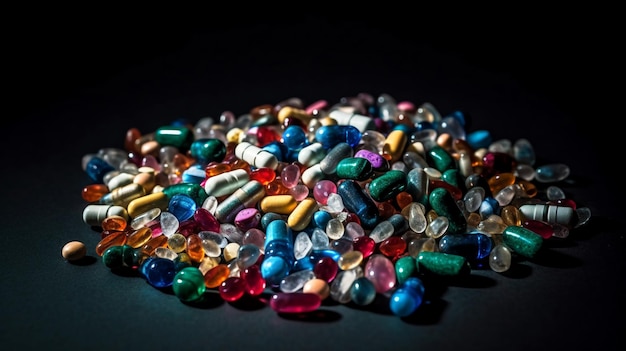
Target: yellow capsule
147,202
301,216
123,195
281,204
292,112
139,237
394,144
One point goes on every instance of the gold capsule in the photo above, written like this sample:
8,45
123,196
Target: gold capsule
350,260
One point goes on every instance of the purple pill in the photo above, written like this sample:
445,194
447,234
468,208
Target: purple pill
375,159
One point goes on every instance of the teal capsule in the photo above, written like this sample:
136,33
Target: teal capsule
205,151
357,168
440,159
522,240
453,177
388,185
119,256
188,284
179,137
442,202
442,264
193,190
405,267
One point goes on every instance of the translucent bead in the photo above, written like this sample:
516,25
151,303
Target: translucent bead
254,236
362,291
506,194
232,289
500,181
340,288
295,281
350,260
452,126
492,225
524,152
416,218
177,242
552,173
317,286
326,268
437,227
115,223
182,206
354,230
247,255
290,176
165,252
583,214
407,298
139,237
169,223
215,276
500,258
511,215
302,245
334,229
319,239
94,192
381,272
255,283
524,171
144,218
206,220
299,192
416,245
393,247
553,192
195,250
365,245
382,231
158,272
473,199
342,245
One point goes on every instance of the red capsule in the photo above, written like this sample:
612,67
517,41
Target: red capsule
232,289
393,246
540,227
326,269
255,283
263,175
365,244
93,192
295,302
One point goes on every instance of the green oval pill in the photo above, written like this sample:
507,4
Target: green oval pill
388,185
357,168
442,264
444,205
179,137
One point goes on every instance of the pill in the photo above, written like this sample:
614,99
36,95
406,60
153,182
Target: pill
564,215
94,214
256,156
302,214
74,251
226,183
361,122
147,202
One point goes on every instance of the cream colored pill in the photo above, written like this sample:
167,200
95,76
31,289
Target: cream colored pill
317,286
74,251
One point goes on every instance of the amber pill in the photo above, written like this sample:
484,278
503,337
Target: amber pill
74,251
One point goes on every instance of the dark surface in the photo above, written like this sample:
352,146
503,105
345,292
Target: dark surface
77,85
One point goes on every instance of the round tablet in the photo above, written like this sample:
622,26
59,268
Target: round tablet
74,250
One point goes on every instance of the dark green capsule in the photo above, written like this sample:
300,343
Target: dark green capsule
440,159
205,151
193,190
265,120
180,137
388,185
442,202
442,264
188,284
453,177
119,256
405,267
522,240
357,168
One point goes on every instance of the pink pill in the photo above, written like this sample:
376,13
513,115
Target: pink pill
316,106
322,190
406,106
290,176
295,302
247,218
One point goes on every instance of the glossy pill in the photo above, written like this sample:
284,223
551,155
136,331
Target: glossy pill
179,137
146,203
361,122
407,298
94,214
226,183
255,156
247,196
188,284
74,251
281,204
442,264
295,302
357,168
206,150
522,241
564,215
302,214
331,135
159,272
357,201
445,205
328,164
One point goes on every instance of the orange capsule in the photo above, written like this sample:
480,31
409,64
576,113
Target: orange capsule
155,242
93,192
139,237
529,188
113,239
215,168
116,223
263,175
215,276
195,250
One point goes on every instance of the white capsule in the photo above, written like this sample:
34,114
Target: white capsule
564,215
226,183
361,122
312,175
120,180
255,156
311,154
93,214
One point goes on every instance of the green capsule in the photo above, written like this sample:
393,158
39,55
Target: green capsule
193,190
188,284
388,185
440,159
357,168
442,264
522,240
453,177
208,150
442,202
178,136
119,256
405,267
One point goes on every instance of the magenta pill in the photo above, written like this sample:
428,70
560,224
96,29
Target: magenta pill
247,218
375,159
295,302
323,189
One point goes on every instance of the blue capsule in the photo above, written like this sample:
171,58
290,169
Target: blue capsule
159,272
407,298
182,207
195,174
488,207
331,135
479,139
357,201
97,168
278,254
294,138
278,230
316,255
473,246
277,149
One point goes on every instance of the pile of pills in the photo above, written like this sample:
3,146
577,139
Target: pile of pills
294,204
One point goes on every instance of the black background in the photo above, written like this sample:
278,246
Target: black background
78,79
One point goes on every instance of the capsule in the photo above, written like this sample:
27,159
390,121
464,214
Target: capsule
473,246
378,162
407,298
279,255
357,201
361,122
564,215
94,214
442,264
356,168
394,144
226,183
158,272
311,154
179,137
331,135
295,302
328,164
248,196
255,156
302,214
312,176
193,190
122,196
281,204
445,205
522,241
207,150
147,202
388,185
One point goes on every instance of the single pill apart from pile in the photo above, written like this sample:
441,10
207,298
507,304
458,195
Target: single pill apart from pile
74,251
